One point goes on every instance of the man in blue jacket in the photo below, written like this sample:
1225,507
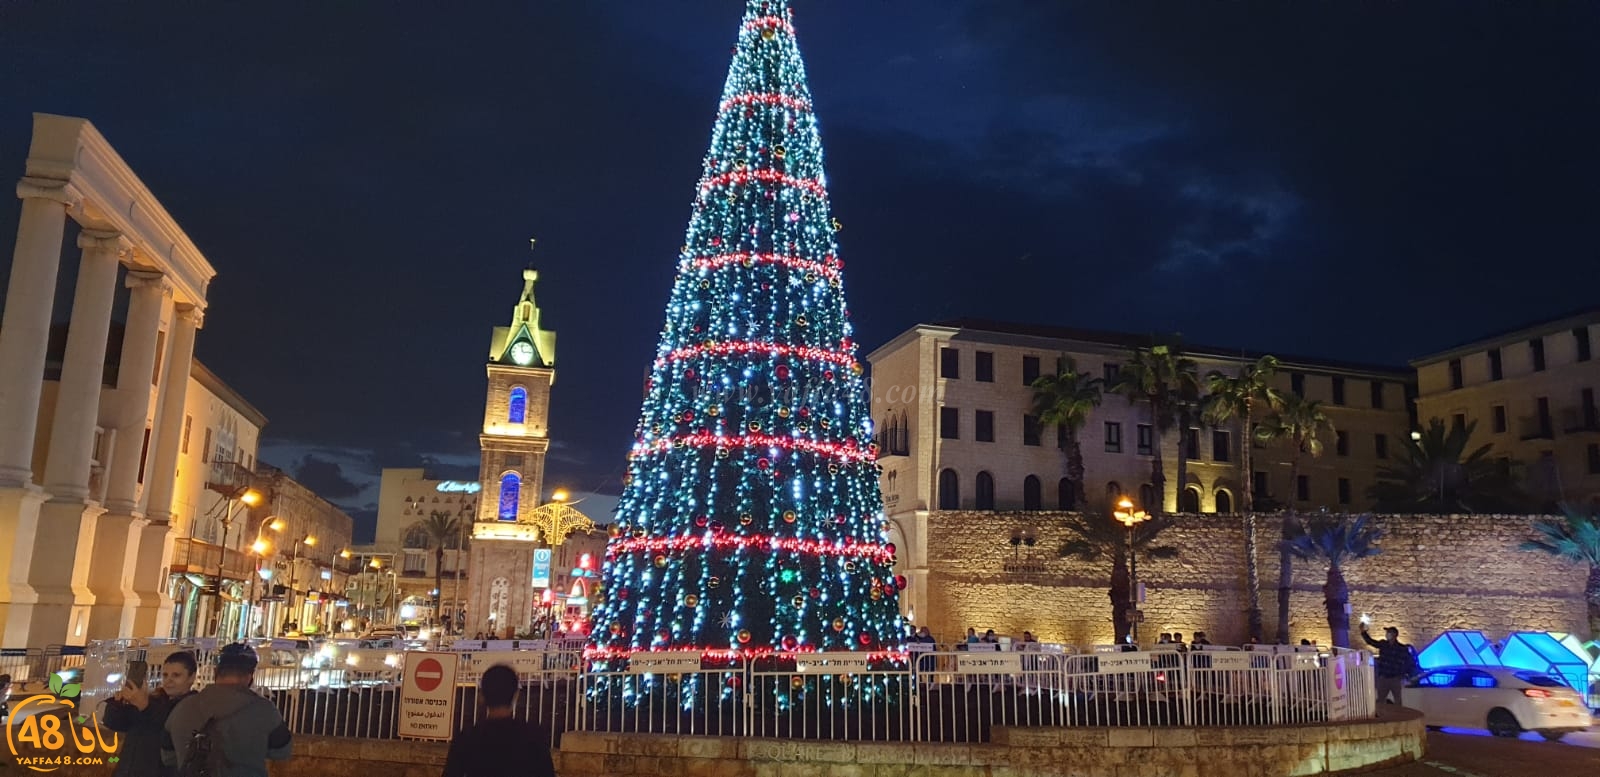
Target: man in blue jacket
248,728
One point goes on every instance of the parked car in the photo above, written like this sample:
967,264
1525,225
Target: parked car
1504,701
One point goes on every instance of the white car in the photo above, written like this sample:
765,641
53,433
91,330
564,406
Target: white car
1504,701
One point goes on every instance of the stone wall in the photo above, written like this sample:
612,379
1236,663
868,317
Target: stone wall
1435,573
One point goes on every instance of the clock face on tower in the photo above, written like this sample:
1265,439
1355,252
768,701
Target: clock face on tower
522,352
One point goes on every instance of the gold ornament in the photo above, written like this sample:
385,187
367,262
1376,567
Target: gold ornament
838,624
789,516
744,636
769,34
783,412
800,320
746,519
661,561
691,600
798,601
779,151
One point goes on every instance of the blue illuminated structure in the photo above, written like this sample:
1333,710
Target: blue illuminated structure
1542,652
1458,648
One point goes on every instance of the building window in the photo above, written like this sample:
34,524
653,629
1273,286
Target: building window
1031,500
1113,437
1537,346
188,423
1455,374
1594,458
949,423
1338,390
1066,495
1341,443
1590,420
518,412
1189,500
1061,436
1344,491
1543,404
1224,501
1147,499
1191,443
1220,449
510,496
1458,421
1258,484
161,349
1496,369
1302,488
949,363
985,492
1377,395
1297,383
1146,439
1030,430
1110,372
1380,445
1030,370
949,490
983,426
983,368
1581,336
205,452
144,453
1499,419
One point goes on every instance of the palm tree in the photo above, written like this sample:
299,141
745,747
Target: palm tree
1161,377
441,527
1301,423
1067,398
1238,397
1437,474
1574,537
1335,540
1094,537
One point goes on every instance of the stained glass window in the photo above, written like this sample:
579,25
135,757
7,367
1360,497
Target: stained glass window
510,495
519,405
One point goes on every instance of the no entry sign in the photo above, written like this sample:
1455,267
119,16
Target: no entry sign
428,695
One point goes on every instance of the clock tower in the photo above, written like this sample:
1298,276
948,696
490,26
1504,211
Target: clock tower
513,444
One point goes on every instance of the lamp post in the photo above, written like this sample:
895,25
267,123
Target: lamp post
1130,517
294,559
250,498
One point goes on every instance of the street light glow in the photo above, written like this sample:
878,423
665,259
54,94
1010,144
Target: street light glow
276,525
250,497
260,547
560,495
310,540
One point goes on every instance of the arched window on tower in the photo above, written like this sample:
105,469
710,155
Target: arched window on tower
510,496
985,494
949,490
1031,498
518,412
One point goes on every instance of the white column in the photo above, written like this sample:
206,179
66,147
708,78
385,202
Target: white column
25,328
66,470
64,542
153,615
161,476
134,373
118,533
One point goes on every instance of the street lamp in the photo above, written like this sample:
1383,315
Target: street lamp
250,497
294,559
1130,516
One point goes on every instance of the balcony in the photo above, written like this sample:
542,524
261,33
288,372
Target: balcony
1580,420
893,441
1535,428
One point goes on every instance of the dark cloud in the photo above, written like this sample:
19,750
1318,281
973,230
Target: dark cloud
326,478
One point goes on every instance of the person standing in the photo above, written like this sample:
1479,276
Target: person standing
248,729
1396,662
140,715
499,745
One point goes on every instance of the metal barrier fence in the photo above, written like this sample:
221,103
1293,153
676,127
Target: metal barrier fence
956,696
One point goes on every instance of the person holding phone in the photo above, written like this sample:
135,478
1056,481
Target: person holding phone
140,715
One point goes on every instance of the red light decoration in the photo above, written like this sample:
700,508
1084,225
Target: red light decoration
742,177
769,22
767,98
746,257
845,548
847,451
726,655
748,348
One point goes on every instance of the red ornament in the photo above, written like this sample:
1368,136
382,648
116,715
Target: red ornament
716,241
827,374
701,521
790,643
782,371
899,581
866,639
839,519
763,463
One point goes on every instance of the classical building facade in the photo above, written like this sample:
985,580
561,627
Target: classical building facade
952,402
1531,394
87,485
513,443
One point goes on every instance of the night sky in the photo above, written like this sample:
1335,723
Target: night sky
1364,181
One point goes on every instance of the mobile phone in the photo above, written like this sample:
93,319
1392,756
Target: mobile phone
138,672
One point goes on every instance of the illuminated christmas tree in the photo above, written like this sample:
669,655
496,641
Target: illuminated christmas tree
751,520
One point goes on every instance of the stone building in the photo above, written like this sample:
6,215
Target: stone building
304,548
1531,393
952,403
406,498
87,485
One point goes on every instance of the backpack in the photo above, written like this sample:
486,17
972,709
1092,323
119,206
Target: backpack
206,756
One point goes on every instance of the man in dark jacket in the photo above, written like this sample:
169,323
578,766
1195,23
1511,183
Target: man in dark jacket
249,729
141,716
1396,662
499,745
